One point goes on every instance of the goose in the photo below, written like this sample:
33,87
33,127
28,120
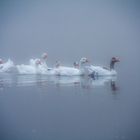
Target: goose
6,66
44,58
103,71
35,66
77,70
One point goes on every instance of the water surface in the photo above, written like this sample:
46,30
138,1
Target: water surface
42,107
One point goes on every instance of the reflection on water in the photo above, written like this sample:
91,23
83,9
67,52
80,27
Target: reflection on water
113,86
9,80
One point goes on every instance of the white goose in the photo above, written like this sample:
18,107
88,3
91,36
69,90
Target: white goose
102,71
77,70
36,66
6,66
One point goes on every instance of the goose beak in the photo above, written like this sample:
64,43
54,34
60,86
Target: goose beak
117,60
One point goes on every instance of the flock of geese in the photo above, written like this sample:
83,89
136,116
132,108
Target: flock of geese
39,66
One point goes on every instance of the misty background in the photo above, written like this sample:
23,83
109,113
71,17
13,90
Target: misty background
69,30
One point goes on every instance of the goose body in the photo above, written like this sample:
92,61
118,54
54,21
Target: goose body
32,68
7,66
100,71
92,70
67,71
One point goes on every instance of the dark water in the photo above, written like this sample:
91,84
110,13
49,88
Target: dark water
70,108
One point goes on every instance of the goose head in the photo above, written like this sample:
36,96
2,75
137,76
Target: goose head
38,62
84,60
1,61
44,56
113,61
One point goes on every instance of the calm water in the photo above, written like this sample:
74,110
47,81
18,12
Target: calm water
68,108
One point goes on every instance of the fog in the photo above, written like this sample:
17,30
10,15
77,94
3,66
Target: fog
68,30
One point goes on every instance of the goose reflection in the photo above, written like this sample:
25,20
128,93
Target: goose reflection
6,80
113,85
43,80
29,80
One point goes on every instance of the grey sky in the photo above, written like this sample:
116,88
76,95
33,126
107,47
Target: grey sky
70,30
